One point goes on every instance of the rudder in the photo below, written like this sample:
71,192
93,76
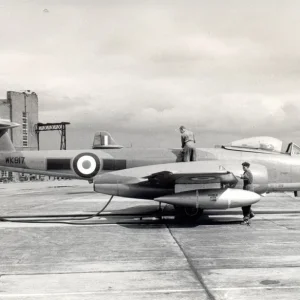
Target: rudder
6,144
103,140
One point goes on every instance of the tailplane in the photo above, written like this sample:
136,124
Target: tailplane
6,144
103,140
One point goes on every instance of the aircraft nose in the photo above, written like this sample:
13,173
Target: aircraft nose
239,198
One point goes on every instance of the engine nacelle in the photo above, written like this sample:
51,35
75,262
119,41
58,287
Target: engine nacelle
130,190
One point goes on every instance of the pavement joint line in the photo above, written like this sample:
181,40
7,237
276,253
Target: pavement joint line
92,272
102,292
175,259
237,257
267,287
193,269
245,267
143,291
243,243
279,225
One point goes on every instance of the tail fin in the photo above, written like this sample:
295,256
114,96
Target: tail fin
6,144
103,140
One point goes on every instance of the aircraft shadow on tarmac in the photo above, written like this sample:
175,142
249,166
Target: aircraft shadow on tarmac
150,215
178,223
169,210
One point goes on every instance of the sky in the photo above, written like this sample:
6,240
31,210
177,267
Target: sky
140,69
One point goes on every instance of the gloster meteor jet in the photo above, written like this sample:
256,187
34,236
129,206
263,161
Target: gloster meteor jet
159,174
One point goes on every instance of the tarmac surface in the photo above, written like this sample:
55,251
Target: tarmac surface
72,255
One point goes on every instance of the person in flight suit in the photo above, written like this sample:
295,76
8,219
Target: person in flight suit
248,185
188,144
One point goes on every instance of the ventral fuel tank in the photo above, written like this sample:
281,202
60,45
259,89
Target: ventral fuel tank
212,199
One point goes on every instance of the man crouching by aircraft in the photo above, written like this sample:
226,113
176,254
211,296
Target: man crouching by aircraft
188,144
248,185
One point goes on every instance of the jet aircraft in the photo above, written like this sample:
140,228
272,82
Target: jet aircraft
159,174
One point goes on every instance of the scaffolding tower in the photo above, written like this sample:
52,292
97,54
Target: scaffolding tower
61,127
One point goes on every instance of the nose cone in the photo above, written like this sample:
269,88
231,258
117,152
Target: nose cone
239,198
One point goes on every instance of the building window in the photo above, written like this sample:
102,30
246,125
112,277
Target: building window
4,174
25,129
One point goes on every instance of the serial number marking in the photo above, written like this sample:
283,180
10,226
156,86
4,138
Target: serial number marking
14,160
213,197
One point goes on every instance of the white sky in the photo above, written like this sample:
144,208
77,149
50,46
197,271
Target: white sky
140,69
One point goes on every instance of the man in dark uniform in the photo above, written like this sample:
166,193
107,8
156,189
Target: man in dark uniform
248,185
188,144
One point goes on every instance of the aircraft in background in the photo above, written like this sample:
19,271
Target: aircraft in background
160,175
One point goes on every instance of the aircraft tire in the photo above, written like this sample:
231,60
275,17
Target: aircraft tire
188,213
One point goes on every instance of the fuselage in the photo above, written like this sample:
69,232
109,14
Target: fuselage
283,169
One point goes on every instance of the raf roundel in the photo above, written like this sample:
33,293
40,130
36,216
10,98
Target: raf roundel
86,165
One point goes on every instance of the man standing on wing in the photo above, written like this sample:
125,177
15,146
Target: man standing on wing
188,144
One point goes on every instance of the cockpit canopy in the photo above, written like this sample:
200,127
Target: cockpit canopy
262,144
256,144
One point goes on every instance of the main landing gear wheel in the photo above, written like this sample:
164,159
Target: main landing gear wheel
188,213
